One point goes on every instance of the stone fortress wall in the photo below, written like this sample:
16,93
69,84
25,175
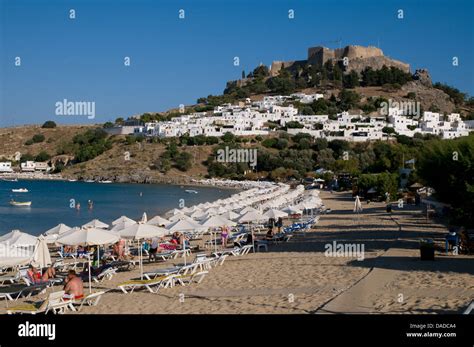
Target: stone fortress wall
358,58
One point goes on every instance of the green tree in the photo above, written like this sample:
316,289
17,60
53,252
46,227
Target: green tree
49,124
183,161
42,156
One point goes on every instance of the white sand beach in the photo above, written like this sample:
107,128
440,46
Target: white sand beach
297,277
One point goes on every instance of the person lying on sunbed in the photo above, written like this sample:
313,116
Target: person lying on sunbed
74,288
81,251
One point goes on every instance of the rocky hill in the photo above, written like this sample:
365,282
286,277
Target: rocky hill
322,72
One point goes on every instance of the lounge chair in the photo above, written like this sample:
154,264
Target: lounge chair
245,249
54,303
16,292
164,256
161,272
181,252
191,278
107,273
188,269
218,261
159,282
9,279
91,299
470,308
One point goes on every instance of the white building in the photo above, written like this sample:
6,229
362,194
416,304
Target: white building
6,166
28,166
254,119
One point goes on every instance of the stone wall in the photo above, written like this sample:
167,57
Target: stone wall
359,57
277,65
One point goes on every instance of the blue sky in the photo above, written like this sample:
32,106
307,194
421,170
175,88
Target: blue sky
174,61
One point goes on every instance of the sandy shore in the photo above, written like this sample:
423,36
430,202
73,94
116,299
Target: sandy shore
297,277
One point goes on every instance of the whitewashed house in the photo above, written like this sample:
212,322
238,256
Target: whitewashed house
6,166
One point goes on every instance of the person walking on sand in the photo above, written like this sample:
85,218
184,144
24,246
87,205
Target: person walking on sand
155,242
224,236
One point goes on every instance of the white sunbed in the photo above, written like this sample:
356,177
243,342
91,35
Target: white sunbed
191,278
55,303
107,273
470,308
159,282
91,299
161,272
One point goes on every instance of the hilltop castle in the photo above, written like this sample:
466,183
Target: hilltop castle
357,58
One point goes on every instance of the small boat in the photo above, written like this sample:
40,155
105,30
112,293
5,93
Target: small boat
20,190
10,180
89,181
191,191
72,180
20,203
105,181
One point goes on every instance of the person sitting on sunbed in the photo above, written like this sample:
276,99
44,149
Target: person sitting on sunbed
81,251
74,288
467,245
34,276
49,273
269,234
279,224
183,240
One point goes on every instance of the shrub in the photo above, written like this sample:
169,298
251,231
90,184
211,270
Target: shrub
38,138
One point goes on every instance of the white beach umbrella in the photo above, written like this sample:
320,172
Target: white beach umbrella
230,215
251,217
174,211
122,225
221,210
17,238
357,208
247,209
95,223
184,225
211,211
198,214
178,217
87,237
142,231
357,204
123,219
158,220
217,221
41,256
275,214
58,229
292,210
